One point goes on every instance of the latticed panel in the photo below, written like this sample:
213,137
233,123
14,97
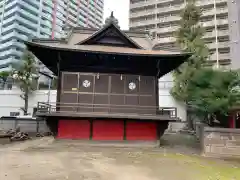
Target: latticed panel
101,84
147,85
70,82
117,103
147,104
86,83
68,102
101,103
132,102
132,84
117,84
69,93
85,102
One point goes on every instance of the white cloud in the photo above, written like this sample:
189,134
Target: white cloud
120,9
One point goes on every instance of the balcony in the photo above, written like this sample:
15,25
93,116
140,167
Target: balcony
48,3
26,23
106,110
166,40
8,36
207,2
73,19
47,16
144,3
143,13
5,46
11,52
148,3
29,15
169,19
7,61
219,33
27,6
10,12
212,12
212,23
6,30
220,45
166,29
73,6
48,9
46,31
171,8
143,23
224,56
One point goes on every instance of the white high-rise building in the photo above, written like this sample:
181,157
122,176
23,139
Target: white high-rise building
161,18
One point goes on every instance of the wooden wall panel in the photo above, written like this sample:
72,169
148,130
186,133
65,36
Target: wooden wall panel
111,90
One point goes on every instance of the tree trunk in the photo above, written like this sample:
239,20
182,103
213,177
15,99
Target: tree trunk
26,103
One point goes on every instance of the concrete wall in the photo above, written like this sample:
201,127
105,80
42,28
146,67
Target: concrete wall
166,100
26,125
221,142
10,100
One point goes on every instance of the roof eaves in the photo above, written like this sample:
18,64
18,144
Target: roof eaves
104,28
64,48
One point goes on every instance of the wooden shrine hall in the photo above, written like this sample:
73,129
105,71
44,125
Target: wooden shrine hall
107,83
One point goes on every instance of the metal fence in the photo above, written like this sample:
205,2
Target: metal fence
29,125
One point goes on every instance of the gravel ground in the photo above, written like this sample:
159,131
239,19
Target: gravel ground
46,159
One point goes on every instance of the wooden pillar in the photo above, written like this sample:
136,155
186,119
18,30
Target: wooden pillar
232,119
125,129
59,81
91,129
158,134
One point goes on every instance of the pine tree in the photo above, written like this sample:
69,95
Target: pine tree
190,39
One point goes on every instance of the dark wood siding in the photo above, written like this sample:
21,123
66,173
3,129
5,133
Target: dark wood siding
69,92
109,93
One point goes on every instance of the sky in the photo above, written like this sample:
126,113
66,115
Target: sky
121,11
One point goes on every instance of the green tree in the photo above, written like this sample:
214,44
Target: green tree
4,76
189,39
25,74
212,94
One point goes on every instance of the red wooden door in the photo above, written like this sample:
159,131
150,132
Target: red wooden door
74,129
137,130
108,130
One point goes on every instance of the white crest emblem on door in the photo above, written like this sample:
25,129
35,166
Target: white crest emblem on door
132,86
86,83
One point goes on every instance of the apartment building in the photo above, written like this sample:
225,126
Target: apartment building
23,19
234,31
161,18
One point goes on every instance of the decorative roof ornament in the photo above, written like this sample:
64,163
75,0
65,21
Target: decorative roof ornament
112,19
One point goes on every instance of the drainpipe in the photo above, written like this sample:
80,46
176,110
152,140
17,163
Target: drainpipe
216,34
49,89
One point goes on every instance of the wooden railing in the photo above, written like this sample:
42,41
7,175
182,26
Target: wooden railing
105,108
